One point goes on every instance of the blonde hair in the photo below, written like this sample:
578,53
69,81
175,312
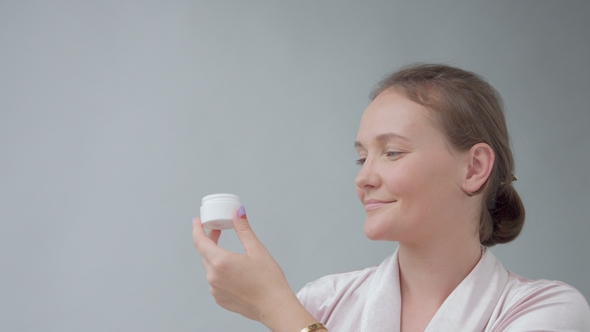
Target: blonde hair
468,110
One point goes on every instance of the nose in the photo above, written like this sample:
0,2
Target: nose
367,177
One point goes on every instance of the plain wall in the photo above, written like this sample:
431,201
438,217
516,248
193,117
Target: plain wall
117,117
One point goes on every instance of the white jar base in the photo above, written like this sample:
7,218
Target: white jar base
220,224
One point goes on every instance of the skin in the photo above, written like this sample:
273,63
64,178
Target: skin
411,179
251,284
413,186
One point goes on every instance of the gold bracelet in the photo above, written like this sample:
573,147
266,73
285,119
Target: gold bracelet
314,327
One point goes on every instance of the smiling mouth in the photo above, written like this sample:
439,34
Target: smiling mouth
373,205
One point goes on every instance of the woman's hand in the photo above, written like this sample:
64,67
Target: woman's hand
251,284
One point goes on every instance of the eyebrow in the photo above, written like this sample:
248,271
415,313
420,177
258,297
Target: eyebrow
384,137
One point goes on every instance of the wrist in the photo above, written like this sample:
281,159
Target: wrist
314,327
288,316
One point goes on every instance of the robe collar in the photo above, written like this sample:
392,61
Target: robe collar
468,308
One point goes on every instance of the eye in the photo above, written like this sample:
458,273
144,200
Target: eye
360,161
393,154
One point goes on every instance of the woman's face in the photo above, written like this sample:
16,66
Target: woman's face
409,181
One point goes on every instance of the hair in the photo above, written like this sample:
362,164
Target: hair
468,110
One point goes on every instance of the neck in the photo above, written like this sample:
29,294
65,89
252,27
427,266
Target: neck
429,273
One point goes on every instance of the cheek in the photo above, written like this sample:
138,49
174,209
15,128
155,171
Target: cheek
403,179
423,180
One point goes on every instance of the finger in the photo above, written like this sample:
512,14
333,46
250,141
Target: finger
214,235
204,245
206,264
243,229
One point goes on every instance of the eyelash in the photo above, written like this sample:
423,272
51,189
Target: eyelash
391,154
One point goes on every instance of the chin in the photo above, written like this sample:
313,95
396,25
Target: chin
374,231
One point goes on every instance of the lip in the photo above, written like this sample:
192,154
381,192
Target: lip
373,204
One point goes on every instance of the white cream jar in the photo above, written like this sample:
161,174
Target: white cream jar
217,210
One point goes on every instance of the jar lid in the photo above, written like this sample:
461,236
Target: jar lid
220,197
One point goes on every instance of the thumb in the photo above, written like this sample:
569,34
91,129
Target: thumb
243,229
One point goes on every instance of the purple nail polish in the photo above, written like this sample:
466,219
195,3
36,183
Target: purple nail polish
242,212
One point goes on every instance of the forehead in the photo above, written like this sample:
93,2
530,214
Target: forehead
392,112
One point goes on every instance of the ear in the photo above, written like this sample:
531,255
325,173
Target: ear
480,162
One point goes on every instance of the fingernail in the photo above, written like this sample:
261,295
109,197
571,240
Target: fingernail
242,212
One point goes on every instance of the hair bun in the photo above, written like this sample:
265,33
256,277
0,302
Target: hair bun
507,217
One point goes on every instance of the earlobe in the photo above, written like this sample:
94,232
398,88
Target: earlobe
480,163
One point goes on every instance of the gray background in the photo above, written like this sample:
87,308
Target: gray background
116,117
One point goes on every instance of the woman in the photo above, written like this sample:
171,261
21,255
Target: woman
436,176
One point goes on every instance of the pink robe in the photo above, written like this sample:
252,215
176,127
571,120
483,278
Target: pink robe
490,298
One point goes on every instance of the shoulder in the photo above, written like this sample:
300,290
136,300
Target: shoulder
335,284
542,305
523,291
319,297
